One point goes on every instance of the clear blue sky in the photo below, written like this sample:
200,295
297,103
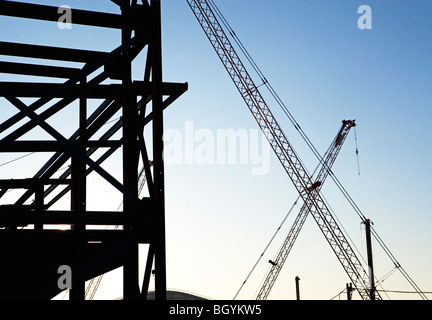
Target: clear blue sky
221,216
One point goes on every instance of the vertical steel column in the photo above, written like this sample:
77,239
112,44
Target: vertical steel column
158,165
39,202
82,144
78,197
130,161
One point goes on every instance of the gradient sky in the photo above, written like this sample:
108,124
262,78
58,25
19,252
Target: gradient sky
220,216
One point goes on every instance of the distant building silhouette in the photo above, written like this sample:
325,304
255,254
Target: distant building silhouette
178,295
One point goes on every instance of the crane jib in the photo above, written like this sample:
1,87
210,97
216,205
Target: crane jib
323,173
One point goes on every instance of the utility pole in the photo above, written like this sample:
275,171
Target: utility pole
297,279
367,224
349,290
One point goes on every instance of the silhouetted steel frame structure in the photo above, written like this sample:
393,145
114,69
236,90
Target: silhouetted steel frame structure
89,252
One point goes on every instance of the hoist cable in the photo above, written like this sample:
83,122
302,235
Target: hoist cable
281,104
265,249
16,159
277,231
356,151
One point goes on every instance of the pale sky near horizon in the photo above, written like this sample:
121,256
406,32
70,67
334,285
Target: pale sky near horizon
221,215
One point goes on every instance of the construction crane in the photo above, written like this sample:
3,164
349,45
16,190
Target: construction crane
277,264
281,146
322,175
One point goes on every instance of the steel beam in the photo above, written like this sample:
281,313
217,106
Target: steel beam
38,70
158,164
52,146
49,53
101,91
50,13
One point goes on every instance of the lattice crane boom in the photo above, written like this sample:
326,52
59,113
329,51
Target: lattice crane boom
280,145
287,245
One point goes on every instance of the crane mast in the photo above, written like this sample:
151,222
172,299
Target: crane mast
322,175
281,146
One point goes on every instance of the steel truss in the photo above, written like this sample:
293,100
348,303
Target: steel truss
31,254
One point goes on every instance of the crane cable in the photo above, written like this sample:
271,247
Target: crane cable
356,151
282,223
280,102
16,159
309,143
267,246
282,105
277,231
